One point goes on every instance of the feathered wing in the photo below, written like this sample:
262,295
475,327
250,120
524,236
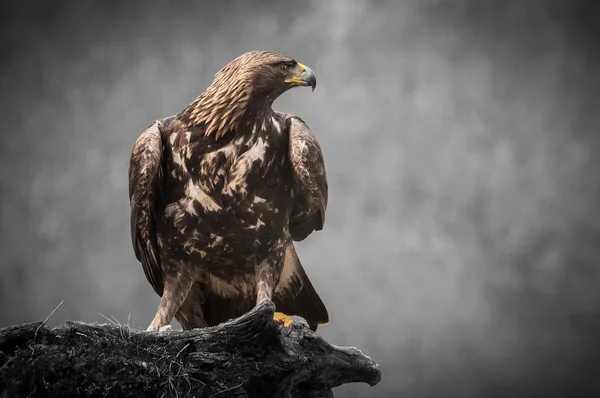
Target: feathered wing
295,294
145,175
308,214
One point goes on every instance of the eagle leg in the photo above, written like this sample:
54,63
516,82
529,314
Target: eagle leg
267,278
175,292
190,314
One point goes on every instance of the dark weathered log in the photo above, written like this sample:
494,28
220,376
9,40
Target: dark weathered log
250,356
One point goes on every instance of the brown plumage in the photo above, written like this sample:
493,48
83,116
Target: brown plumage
219,192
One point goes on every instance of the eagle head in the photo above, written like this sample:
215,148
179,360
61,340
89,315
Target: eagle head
252,82
272,74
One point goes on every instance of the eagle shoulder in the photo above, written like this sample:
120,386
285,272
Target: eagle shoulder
308,167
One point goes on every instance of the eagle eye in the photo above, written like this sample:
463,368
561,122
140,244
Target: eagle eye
284,67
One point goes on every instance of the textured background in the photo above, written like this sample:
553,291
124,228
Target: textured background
462,243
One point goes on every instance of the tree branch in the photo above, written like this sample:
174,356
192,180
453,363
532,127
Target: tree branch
250,356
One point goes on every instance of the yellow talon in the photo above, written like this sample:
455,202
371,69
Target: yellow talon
280,317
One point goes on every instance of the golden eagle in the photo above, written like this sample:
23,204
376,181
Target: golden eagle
218,194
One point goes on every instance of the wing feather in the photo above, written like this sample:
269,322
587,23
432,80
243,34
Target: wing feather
306,157
145,176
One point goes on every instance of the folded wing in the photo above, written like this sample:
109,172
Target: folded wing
145,175
308,214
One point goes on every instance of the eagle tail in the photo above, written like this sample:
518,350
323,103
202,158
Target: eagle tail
295,294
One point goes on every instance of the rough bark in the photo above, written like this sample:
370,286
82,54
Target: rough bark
251,356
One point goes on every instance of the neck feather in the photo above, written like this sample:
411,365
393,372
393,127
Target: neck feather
225,106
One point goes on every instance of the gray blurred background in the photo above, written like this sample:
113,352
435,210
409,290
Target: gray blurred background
462,243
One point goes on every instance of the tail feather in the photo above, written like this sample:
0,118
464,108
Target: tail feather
295,294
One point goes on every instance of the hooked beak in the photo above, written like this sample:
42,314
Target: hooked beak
302,75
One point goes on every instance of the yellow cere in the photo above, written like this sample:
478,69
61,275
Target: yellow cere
302,68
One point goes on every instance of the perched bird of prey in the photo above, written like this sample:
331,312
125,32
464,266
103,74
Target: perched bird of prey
218,194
